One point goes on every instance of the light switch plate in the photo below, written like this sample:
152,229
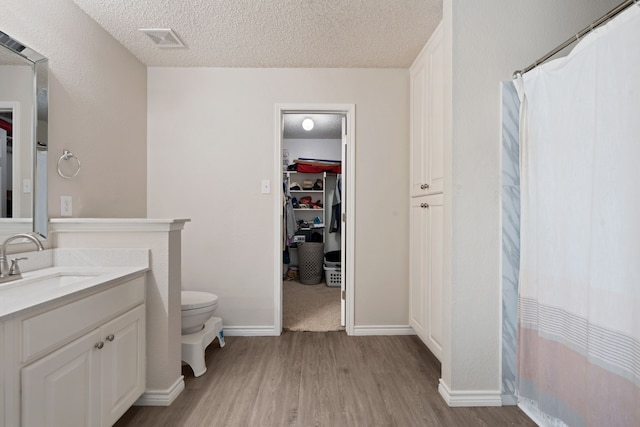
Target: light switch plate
26,186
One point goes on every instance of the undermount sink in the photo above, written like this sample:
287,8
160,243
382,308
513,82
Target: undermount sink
58,279
56,274
51,278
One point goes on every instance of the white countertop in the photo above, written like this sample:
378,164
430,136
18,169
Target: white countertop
83,272
21,295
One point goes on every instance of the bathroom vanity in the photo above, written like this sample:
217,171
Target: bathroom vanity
72,342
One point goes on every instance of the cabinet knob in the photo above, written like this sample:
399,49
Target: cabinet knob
99,345
110,337
424,186
424,205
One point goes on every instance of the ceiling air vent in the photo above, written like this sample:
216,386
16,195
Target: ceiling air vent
163,37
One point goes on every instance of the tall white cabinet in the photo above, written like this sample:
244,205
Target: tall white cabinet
426,194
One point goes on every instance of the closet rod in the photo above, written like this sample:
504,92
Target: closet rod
607,16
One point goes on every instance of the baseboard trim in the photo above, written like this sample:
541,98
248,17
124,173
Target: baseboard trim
249,331
469,397
383,330
161,397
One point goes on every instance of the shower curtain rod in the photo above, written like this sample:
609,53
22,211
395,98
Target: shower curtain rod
607,16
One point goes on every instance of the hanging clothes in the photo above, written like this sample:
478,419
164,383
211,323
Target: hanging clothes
290,226
336,207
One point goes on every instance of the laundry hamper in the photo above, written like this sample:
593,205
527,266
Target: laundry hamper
310,257
333,276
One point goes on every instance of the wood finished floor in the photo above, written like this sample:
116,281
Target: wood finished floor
318,379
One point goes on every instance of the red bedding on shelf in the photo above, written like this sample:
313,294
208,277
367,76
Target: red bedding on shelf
318,169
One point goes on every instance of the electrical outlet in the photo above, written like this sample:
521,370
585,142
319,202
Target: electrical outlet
265,186
66,205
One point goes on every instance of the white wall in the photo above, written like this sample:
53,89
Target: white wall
487,41
97,107
329,149
212,139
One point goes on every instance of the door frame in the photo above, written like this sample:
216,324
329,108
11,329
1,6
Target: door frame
348,222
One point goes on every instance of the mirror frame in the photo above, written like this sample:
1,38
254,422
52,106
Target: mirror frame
39,143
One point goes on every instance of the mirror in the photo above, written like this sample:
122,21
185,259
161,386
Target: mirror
24,105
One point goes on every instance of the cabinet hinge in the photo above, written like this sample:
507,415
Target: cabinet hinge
344,218
344,295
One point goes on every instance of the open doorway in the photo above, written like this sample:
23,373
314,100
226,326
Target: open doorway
315,284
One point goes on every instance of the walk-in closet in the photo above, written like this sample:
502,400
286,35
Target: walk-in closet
311,242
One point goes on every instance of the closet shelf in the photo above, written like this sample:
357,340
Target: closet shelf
306,191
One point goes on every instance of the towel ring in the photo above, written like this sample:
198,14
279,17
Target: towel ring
66,155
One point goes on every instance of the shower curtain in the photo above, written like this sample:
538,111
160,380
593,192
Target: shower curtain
578,354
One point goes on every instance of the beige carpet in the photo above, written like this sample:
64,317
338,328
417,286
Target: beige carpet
310,307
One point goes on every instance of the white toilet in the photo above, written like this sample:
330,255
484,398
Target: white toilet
199,328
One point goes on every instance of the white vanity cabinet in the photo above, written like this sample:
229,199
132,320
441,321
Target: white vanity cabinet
62,388
79,361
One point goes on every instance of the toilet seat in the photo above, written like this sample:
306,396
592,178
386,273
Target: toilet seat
193,300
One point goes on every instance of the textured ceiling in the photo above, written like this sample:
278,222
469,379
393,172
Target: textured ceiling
273,33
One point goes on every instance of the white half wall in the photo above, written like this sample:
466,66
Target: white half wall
211,142
486,42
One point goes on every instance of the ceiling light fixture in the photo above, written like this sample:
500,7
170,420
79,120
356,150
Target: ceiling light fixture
307,124
163,37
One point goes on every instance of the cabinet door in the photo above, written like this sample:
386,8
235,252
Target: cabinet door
434,274
418,147
61,389
427,119
426,270
417,265
435,115
123,364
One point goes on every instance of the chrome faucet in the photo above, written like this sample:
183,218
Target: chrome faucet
4,265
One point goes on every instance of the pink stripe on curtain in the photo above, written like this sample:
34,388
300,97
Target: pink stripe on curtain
568,386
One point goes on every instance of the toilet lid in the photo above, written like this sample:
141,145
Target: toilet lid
195,299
